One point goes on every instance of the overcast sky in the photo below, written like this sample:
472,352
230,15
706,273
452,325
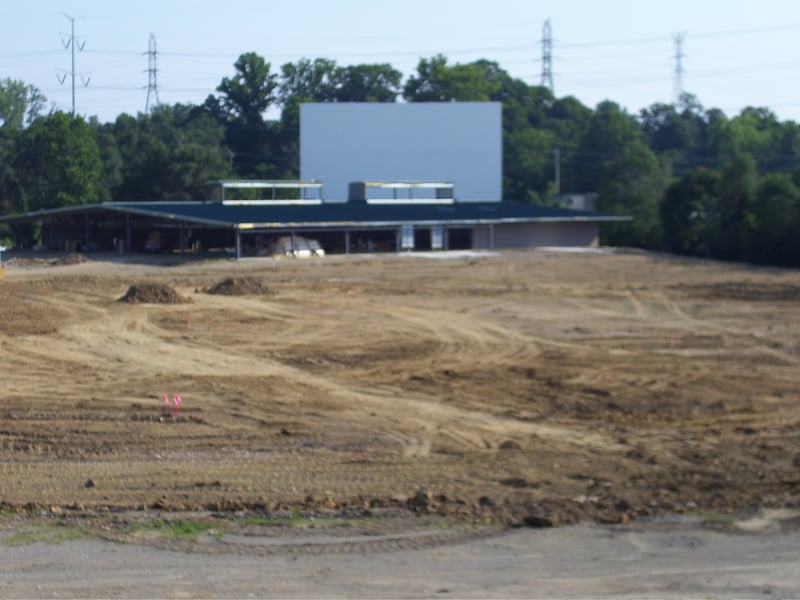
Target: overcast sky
735,53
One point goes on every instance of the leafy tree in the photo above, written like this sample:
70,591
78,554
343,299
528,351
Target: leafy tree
247,95
736,193
20,104
567,118
772,222
10,189
367,83
169,153
528,165
498,85
633,184
775,146
667,130
435,81
523,105
289,137
36,104
322,81
58,162
313,81
609,133
688,210
717,138
111,158
13,103
241,109
612,159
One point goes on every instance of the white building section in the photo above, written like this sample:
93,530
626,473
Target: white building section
278,192
456,142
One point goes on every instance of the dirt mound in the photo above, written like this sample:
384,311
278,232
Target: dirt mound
73,258
239,286
153,293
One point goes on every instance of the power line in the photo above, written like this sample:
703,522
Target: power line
525,47
660,39
120,75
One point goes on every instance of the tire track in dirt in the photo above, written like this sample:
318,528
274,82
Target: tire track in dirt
462,337
706,324
136,344
649,305
291,542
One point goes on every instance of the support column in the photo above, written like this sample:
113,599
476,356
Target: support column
347,242
128,240
238,245
181,238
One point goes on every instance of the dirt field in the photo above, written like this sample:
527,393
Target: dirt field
536,388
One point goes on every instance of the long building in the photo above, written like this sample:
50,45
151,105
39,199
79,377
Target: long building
379,216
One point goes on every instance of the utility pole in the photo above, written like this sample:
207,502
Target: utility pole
70,43
152,82
547,56
557,159
679,56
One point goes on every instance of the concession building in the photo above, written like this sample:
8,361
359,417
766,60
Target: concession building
374,177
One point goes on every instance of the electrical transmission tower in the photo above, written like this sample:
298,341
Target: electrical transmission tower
547,56
679,56
70,43
152,81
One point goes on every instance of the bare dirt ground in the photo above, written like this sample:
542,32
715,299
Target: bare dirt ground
536,388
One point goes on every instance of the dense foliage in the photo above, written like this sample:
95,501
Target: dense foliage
695,181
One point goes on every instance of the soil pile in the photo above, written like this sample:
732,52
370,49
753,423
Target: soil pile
239,286
153,293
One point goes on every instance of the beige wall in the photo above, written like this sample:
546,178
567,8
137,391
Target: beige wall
531,235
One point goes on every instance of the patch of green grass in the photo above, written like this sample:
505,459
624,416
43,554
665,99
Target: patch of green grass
262,521
192,529
7,515
49,532
179,530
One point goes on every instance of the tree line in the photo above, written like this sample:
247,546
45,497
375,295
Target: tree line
695,181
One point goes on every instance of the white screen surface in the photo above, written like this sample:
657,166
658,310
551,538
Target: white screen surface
456,142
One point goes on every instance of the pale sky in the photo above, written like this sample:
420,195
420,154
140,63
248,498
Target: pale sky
735,53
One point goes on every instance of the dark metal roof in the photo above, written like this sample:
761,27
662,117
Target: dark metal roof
329,215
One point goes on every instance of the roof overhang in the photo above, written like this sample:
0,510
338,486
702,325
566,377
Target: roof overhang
170,211
144,209
423,223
